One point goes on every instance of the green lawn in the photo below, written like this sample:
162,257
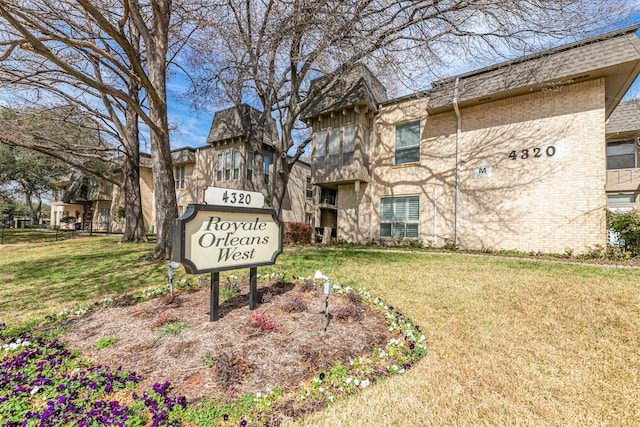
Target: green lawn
511,342
11,236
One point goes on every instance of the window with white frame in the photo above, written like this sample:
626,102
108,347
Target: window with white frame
236,164
348,144
219,168
333,150
309,188
407,146
621,155
321,149
249,165
179,177
267,164
400,217
227,166
617,199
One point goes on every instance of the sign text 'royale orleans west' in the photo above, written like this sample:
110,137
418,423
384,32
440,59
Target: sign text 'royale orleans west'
215,238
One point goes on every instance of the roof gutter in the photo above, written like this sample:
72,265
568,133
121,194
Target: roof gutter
372,165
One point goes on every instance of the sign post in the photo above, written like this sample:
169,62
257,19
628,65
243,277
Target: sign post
214,238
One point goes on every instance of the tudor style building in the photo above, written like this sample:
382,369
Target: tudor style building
510,156
233,158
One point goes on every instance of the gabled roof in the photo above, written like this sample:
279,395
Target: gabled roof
625,120
356,86
234,122
615,55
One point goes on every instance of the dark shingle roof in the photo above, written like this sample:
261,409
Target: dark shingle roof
564,64
625,118
240,121
183,155
357,85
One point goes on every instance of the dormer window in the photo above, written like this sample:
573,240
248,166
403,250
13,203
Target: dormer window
321,148
249,165
219,168
227,166
267,164
348,145
236,164
335,147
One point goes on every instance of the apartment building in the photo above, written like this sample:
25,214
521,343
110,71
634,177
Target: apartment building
232,158
512,156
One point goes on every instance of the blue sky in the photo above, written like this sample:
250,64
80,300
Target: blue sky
190,127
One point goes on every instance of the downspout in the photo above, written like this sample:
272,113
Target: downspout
372,164
456,231
196,176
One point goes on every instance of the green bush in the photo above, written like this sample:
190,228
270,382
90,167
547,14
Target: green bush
67,220
298,233
627,225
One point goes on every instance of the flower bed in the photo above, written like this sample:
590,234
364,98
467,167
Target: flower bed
44,384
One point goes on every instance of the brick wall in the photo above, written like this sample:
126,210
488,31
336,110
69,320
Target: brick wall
550,198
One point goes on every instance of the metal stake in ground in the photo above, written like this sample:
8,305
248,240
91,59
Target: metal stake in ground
327,289
214,296
172,266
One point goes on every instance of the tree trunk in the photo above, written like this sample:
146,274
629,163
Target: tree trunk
163,180
27,200
134,230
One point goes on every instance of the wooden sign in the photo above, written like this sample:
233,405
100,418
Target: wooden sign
211,238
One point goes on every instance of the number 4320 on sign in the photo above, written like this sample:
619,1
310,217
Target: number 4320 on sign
230,197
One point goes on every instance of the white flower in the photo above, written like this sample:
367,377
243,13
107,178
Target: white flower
330,398
364,383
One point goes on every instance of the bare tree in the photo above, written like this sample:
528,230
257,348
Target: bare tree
34,82
267,52
118,50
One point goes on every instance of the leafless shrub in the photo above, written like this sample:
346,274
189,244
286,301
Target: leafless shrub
164,318
307,286
294,303
266,297
354,298
231,368
347,312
